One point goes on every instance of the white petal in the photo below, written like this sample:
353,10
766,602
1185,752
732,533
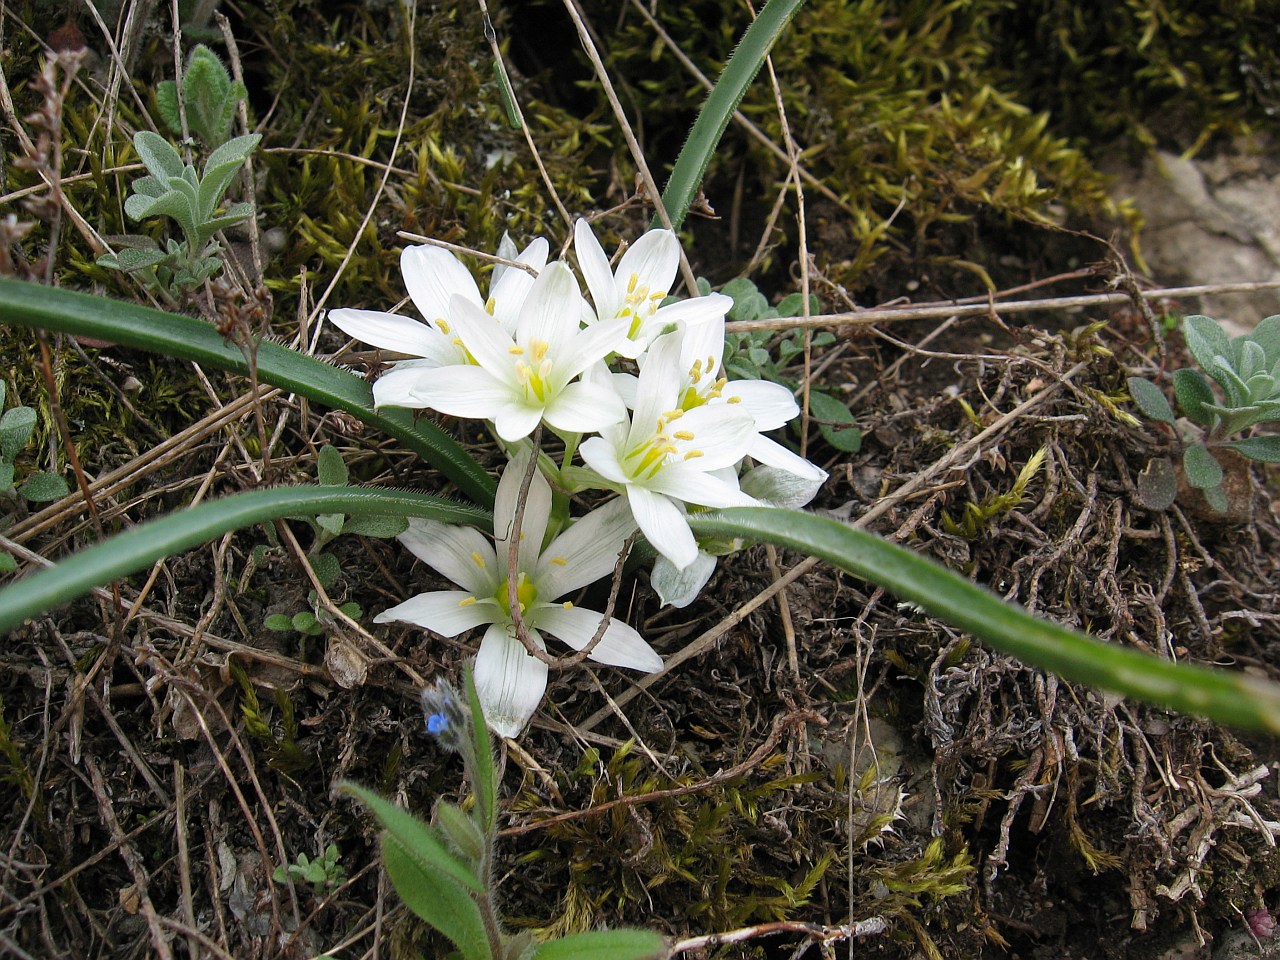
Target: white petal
586,552
596,271
721,436
659,387
589,346
510,682
653,260
792,465
601,455
684,482
443,612
664,526
551,310
462,554
515,420
484,336
679,588
537,512
694,309
433,276
584,408
703,340
620,646
468,392
511,285
769,404
389,331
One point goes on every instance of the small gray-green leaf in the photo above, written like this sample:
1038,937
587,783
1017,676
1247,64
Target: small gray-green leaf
436,898
6,476
158,155
825,407
1205,339
278,622
326,567
369,526
331,471
16,427
1150,400
626,944
7,563
332,522
44,487
1203,471
304,621
1158,485
1217,498
1263,449
1193,392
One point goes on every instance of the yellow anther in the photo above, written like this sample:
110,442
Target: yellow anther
631,284
695,372
477,559
443,324
490,305
539,348
734,400
516,349
693,454
683,435
467,602
559,561
674,414
568,604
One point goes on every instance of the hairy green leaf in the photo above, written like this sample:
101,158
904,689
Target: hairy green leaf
603,945
1150,400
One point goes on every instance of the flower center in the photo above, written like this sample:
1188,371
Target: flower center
526,593
534,373
664,445
639,304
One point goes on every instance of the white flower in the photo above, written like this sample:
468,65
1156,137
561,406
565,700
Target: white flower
517,381
668,456
636,290
433,277
509,680
769,404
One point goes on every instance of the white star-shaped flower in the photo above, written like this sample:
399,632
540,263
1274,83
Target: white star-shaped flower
509,680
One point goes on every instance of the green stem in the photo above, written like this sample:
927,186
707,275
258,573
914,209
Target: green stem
31,305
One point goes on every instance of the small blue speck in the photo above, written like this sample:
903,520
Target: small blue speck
437,723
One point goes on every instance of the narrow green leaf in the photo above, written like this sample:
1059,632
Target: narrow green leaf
1229,697
436,899
31,305
626,944
1263,449
713,118
139,547
422,841
1150,400
460,830
484,775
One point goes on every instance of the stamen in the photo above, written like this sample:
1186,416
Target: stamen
516,349
490,305
631,284
568,604
559,561
477,559
693,454
443,324
469,601
684,435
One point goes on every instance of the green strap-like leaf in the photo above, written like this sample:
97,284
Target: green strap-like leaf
1228,697
143,545
724,98
626,944
31,305
486,778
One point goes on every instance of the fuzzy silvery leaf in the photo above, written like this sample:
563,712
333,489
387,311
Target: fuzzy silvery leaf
158,155
44,488
382,527
1150,400
6,476
16,427
132,258
1206,340
1158,485
223,166
1217,498
331,470
1203,471
331,523
1253,359
1267,335
1193,393
326,567
1262,449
